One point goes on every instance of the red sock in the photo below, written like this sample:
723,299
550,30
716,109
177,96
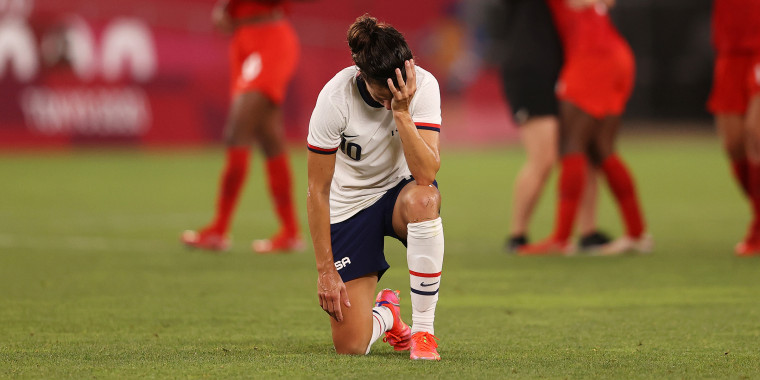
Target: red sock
753,192
621,184
572,180
741,172
281,190
233,178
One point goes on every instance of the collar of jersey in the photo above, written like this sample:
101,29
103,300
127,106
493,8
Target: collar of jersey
362,86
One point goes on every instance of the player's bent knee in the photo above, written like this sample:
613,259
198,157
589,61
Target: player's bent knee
423,202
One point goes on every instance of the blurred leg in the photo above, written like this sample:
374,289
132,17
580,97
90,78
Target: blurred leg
752,128
539,137
246,112
731,128
576,129
271,136
590,237
619,177
576,134
270,132
751,244
587,212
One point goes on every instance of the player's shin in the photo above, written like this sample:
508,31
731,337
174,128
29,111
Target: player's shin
424,255
230,186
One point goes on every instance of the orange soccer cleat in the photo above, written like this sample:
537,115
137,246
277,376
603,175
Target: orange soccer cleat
424,347
280,243
750,246
206,239
747,248
399,336
547,247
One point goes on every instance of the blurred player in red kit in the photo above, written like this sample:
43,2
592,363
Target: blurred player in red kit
594,85
263,56
532,63
735,100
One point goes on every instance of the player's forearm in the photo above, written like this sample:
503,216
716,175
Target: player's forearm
422,159
318,211
222,6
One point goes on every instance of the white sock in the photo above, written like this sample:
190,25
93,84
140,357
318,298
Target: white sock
382,321
424,255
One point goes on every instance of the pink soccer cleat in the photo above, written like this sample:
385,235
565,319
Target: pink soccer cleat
400,334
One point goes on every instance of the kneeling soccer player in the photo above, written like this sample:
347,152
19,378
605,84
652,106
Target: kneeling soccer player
384,115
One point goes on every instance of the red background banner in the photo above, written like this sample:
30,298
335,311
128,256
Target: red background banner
155,72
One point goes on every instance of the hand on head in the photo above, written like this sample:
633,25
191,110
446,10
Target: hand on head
402,97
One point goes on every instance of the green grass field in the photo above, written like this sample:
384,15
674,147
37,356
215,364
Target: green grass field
94,283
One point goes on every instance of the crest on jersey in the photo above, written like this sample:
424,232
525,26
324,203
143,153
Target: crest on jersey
251,67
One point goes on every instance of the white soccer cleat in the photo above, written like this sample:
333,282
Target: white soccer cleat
627,244
205,239
280,243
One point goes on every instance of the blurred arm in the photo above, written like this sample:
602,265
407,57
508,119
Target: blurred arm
581,4
220,16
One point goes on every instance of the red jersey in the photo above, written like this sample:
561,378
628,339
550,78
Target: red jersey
243,9
736,26
585,31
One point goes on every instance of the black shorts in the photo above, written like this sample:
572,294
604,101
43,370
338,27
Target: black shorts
358,243
533,60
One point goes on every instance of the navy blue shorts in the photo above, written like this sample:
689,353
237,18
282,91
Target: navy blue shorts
358,243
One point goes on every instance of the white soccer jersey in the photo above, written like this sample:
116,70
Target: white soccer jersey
371,159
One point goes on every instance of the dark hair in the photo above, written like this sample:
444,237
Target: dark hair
377,49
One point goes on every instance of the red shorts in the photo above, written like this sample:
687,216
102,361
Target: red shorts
736,79
598,84
263,58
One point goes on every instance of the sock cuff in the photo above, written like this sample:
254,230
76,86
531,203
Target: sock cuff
238,151
425,230
574,157
384,315
612,159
